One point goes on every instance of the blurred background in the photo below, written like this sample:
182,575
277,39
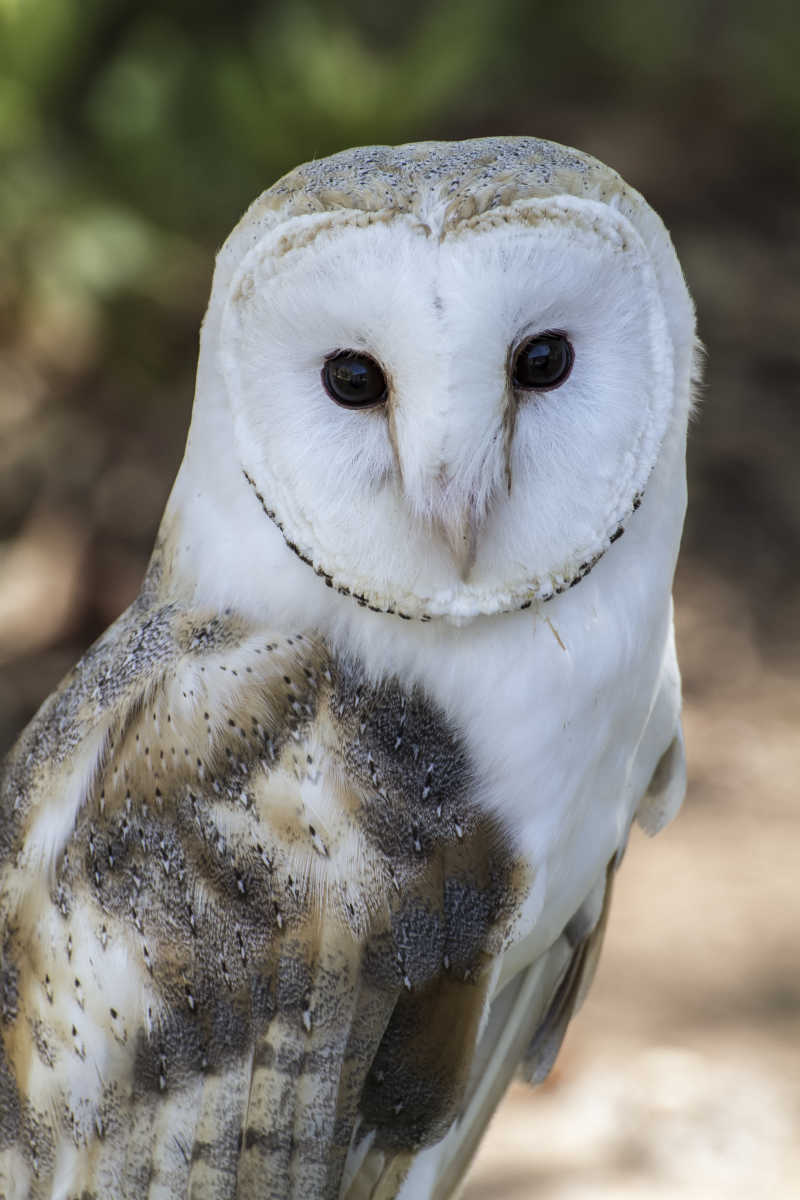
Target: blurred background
132,135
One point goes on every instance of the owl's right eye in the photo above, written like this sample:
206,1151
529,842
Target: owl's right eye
354,380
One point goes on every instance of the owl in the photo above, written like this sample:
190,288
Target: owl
313,849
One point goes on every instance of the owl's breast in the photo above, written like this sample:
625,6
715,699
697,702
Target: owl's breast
564,712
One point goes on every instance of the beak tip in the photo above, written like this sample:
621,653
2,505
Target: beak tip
462,541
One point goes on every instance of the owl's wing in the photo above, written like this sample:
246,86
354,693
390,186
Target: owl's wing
522,1033
250,917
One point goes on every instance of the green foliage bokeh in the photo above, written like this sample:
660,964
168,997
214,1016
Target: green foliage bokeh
133,132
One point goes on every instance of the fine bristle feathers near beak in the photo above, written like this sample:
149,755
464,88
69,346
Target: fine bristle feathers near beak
461,536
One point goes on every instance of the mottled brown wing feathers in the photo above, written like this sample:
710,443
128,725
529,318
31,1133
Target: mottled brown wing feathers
250,911
526,1026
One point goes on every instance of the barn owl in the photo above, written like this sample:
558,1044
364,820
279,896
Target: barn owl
313,849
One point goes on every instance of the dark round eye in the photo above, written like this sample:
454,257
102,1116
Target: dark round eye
354,380
544,361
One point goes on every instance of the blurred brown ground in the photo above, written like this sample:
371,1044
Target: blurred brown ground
681,1077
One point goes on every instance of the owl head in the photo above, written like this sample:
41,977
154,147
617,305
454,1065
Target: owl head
442,374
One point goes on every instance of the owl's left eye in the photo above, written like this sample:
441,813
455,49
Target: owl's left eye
354,380
543,362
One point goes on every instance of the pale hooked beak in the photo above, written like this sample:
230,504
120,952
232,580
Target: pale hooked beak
461,537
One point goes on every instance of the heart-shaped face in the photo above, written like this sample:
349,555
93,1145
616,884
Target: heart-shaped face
448,393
